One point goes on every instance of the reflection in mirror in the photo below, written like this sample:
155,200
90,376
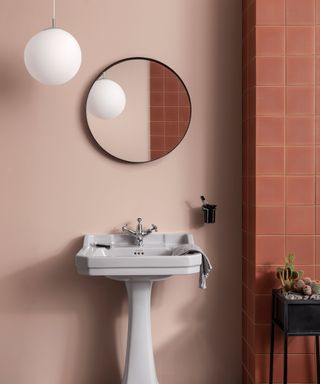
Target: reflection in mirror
138,110
106,99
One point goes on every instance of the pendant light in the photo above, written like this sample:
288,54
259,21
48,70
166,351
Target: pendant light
52,56
106,99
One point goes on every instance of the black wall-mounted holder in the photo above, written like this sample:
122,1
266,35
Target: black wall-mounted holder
209,211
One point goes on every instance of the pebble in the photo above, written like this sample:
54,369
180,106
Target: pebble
297,296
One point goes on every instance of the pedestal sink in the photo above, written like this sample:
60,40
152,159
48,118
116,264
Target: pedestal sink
116,256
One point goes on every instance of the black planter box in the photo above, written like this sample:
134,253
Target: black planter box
294,318
300,317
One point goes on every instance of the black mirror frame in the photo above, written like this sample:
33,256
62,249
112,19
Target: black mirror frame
119,62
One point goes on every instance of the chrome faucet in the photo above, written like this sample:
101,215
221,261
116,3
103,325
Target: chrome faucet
140,233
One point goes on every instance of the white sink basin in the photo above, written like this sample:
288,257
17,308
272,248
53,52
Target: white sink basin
120,258
125,259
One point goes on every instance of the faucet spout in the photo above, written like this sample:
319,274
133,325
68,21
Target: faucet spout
140,233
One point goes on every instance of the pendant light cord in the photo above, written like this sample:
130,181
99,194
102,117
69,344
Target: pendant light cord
53,13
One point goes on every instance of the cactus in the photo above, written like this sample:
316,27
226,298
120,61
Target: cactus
315,285
287,274
307,290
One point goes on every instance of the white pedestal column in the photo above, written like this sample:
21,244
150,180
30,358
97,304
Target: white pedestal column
139,367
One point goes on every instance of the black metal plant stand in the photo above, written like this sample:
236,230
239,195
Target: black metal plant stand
294,318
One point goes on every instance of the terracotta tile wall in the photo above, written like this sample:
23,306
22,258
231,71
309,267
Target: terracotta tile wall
249,180
281,157
169,110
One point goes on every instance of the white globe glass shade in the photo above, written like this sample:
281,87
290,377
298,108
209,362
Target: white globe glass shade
52,56
106,99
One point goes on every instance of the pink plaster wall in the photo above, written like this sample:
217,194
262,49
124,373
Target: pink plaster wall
56,326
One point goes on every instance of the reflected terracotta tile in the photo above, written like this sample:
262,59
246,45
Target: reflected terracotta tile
300,12
303,247
169,73
171,84
270,220
300,41
156,114
171,99
156,99
300,220
270,12
156,84
156,69
300,160
300,190
156,154
157,142
269,190
270,250
300,131
171,142
269,130
300,100
270,101
181,86
183,127
184,99
171,113
270,41
184,113
172,128
300,70
157,128
269,160
270,70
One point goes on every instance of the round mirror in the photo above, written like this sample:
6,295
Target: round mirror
138,110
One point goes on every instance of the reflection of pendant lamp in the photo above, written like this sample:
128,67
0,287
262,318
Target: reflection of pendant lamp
52,56
106,99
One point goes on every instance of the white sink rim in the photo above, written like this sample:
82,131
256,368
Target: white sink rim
154,258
